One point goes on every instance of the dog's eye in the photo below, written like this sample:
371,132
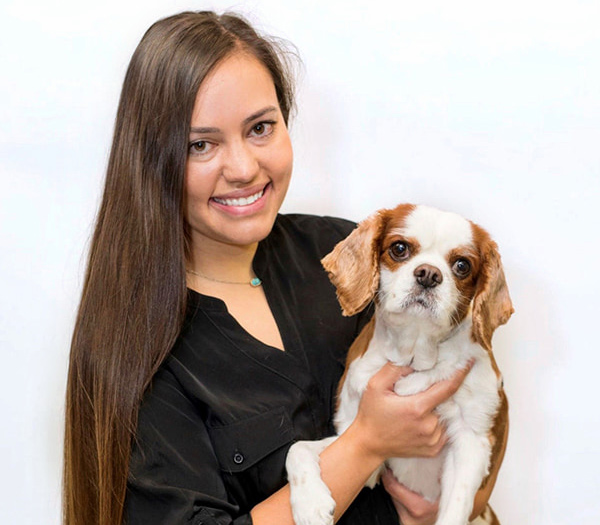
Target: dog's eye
399,251
461,267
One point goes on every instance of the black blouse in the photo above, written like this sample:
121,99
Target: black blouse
215,426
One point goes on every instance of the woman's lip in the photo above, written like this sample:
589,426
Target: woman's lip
240,206
241,201
242,194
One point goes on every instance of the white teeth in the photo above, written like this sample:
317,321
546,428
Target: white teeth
245,201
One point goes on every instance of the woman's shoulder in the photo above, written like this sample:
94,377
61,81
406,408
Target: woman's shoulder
322,232
304,220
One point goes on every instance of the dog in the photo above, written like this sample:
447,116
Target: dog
440,292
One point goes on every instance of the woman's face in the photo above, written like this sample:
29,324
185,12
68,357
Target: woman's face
240,156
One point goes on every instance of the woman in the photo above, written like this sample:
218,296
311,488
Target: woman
208,337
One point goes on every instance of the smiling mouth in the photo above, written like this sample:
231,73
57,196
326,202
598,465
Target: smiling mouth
243,201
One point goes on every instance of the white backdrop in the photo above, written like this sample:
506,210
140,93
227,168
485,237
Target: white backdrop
488,109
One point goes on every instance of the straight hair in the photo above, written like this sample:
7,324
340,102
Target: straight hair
134,293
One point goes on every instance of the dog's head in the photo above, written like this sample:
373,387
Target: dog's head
421,262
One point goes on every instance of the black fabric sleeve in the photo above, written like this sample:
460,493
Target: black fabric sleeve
174,474
371,507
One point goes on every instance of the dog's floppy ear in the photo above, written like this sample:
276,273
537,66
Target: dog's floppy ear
492,305
353,265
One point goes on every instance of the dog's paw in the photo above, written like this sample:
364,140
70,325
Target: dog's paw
452,520
412,384
312,505
375,477
454,510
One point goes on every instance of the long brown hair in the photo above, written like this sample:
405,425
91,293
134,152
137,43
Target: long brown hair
134,294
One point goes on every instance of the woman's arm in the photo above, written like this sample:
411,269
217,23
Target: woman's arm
386,425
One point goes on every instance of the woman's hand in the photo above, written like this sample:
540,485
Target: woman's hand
389,425
412,508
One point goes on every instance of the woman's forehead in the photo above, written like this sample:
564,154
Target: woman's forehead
238,87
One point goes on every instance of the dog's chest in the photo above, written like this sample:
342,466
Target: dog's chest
476,400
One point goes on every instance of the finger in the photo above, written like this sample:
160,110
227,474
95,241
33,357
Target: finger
432,439
386,377
391,484
443,390
412,501
438,441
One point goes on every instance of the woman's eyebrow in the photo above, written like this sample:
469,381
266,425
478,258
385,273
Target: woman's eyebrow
204,130
247,120
259,113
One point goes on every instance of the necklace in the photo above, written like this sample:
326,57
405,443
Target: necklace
253,282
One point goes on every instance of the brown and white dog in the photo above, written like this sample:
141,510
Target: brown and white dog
440,292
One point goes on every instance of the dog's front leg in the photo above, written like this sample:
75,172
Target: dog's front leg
467,463
415,382
310,497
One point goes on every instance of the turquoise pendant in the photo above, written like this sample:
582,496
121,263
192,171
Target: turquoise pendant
255,282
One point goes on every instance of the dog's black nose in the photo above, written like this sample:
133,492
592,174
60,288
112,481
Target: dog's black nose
428,276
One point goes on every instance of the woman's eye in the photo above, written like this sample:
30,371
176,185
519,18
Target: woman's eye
399,251
461,267
199,147
262,128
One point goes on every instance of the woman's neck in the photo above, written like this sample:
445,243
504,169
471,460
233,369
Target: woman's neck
225,263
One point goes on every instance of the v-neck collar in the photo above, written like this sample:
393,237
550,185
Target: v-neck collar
274,277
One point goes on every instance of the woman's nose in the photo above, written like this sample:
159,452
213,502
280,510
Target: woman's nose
241,164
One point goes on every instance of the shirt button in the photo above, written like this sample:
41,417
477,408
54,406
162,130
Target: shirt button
238,458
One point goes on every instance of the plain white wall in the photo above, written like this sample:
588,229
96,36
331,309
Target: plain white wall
488,109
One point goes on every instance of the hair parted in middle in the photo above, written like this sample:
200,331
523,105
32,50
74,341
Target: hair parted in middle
166,71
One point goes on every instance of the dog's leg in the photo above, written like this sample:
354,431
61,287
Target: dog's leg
375,477
416,382
310,498
466,465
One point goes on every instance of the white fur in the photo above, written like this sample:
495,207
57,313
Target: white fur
312,504
426,339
